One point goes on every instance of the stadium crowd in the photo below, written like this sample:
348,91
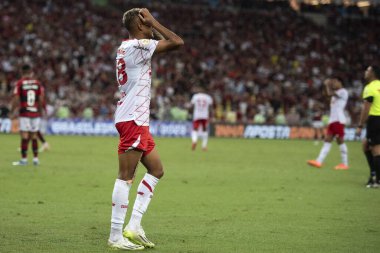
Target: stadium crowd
260,65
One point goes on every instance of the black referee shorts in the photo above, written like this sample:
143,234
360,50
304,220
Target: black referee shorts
373,130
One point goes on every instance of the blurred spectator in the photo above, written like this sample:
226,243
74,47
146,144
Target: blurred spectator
4,110
259,118
63,112
293,117
88,113
280,118
178,114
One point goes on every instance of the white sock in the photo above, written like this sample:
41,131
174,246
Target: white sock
344,153
194,136
205,139
119,208
324,151
144,196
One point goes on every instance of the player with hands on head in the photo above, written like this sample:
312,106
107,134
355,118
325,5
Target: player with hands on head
147,37
339,96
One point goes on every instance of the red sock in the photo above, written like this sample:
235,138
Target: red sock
24,147
35,147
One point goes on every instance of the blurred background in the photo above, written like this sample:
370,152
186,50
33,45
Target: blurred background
263,62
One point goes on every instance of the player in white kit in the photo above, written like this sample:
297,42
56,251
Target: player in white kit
339,96
133,71
201,104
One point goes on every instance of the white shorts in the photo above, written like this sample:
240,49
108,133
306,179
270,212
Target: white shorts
317,124
30,124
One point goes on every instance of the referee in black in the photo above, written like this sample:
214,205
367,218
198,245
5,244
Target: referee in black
371,115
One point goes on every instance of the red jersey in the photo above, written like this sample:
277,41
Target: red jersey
29,91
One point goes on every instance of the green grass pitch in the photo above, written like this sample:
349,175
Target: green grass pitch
241,196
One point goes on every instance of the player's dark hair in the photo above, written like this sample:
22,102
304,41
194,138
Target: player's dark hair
26,68
376,71
340,79
129,18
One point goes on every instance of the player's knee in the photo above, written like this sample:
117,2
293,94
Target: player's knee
26,140
328,138
158,173
161,174
125,176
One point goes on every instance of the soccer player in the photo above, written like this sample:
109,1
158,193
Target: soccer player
29,97
201,104
339,96
370,114
133,71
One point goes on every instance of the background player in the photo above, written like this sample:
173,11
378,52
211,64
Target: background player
339,96
371,115
201,105
29,97
133,63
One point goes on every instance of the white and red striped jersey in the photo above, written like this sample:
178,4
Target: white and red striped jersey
201,103
337,105
133,73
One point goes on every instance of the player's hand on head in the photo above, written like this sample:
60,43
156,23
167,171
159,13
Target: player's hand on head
145,17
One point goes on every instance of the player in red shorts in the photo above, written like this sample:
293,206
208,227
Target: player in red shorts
133,71
29,97
201,104
339,96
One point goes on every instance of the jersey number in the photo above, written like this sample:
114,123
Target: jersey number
202,104
30,97
122,76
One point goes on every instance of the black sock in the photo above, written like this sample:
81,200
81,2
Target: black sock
41,137
370,160
376,163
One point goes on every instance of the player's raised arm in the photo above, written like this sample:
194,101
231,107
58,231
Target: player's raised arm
327,84
157,35
331,87
170,41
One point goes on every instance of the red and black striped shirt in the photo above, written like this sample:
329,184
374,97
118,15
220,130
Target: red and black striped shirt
29,91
